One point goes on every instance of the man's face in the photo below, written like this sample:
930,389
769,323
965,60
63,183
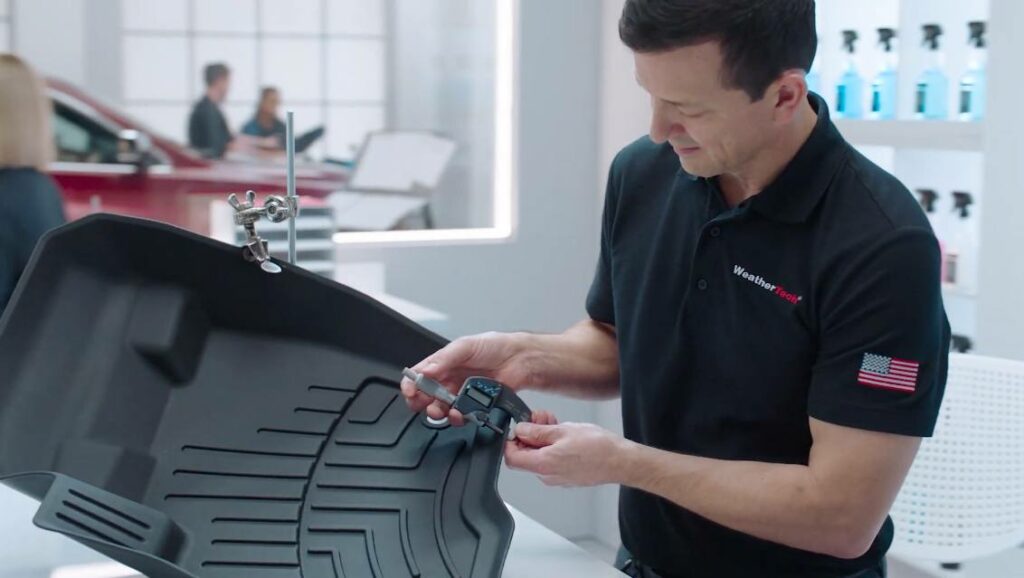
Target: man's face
714,130
221,87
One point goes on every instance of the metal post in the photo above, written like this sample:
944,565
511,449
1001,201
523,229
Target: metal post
292,196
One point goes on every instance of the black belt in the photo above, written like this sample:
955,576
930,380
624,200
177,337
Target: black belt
635,569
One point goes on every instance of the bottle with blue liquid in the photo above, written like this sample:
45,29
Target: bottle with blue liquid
883,89
932,96
972,85
850,90
814,79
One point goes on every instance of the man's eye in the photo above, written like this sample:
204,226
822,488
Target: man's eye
689,113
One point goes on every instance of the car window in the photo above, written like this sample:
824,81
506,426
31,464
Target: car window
81,139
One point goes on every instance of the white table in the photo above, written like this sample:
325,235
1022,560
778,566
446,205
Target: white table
537,552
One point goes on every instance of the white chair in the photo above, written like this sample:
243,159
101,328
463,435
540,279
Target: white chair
964,495
396,173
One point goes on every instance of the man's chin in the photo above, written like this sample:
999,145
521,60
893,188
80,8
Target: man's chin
696,169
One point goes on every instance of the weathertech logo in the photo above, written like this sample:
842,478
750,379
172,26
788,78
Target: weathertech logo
760,282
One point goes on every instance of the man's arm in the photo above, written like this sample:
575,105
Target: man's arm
835,505
582,362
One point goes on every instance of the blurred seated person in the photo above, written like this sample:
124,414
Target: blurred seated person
208,130
265,124
30,202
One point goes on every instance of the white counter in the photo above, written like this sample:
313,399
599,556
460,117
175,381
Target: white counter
537,552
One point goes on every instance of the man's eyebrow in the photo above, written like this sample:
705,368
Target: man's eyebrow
636,77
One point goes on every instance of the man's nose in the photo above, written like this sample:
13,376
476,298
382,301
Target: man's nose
663,126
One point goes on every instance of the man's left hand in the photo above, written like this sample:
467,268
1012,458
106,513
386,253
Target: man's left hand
569,454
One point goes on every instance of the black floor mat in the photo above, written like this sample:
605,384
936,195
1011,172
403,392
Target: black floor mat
188,414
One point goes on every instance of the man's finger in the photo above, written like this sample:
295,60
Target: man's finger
437,410
414,398
449,358
543,417
456,418
538,435
520,457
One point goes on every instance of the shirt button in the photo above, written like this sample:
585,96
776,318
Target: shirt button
702,285
715,232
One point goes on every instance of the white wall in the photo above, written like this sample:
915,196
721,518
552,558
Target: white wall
5,25
625,116
51,36
1001,280
443,55
537,281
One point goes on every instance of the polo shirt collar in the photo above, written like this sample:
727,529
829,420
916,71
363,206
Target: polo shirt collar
796,191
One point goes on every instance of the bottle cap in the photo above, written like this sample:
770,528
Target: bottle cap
976,33
931,35
885,37
927,198
961,201
849,37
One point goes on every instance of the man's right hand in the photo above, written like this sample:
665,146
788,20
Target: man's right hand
500,356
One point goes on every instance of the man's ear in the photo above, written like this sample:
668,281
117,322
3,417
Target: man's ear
788,94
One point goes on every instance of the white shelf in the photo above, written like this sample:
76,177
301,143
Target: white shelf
301,224
321,267
915,134
303,245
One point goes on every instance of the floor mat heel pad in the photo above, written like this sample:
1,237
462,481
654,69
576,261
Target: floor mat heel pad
188,414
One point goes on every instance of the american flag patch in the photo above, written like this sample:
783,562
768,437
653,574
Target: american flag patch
888,373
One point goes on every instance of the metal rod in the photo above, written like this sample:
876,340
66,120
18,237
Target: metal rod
290,144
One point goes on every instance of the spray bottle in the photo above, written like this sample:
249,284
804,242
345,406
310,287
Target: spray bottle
960,251
932,87
972,85
883,89
850,89
814,79
928,198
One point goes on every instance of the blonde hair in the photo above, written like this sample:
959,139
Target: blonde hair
25,137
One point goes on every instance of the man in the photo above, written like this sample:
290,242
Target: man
208,131
770,315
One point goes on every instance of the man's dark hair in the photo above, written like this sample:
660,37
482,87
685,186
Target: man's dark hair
214,72
267,91
760,39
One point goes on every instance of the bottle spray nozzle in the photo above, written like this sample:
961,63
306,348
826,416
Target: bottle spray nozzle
976,37
927,198
849,37
961,202
961,343
885,36
931,35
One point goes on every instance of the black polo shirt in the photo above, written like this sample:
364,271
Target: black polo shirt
819,297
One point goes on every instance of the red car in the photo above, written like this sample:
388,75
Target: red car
108,162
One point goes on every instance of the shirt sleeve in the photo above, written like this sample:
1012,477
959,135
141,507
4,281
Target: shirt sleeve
883,339
600,299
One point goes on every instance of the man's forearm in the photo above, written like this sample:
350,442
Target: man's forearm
582,362
781,503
